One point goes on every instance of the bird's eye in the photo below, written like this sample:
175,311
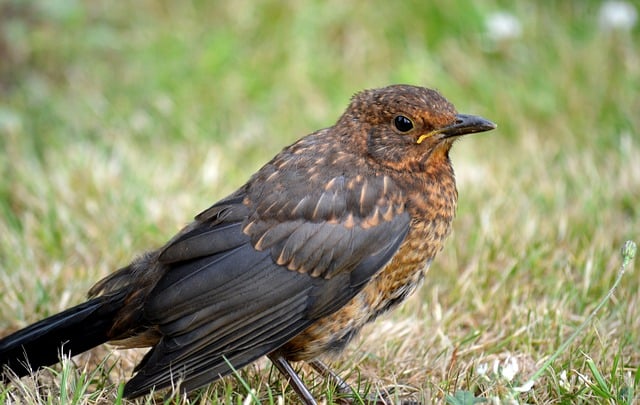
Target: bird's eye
402,123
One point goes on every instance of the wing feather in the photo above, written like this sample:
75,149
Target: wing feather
238,287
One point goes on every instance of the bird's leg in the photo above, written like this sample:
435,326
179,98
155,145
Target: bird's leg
326,372
296,383
345,389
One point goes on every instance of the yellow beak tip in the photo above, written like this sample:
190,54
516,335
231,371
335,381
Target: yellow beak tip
422,138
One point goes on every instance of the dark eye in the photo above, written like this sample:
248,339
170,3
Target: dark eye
402,123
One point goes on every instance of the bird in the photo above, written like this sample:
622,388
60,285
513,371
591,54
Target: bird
335,230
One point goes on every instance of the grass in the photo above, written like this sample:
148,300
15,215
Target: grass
119,122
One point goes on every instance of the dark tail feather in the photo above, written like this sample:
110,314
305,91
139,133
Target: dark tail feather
73,331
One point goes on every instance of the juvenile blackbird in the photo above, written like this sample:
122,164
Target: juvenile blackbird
335,230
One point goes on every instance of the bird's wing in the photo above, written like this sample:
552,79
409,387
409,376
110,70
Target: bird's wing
247,276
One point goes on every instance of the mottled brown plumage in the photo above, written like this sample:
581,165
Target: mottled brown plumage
338,228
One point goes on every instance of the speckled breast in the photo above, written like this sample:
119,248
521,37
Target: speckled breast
389,287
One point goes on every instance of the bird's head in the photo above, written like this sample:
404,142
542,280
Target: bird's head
402,126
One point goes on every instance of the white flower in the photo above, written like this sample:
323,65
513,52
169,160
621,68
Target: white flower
584,379
482,369
249,399
510,368
503,26
564,381
496,367
524,387
617,15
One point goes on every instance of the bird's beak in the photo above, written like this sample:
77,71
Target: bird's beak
464,124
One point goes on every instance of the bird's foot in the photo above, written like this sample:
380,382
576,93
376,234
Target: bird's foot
351,396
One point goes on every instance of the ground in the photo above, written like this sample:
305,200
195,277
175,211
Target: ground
121,121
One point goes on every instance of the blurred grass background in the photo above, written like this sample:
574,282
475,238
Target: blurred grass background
119,121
